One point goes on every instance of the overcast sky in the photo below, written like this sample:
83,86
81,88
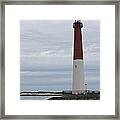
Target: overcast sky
49,44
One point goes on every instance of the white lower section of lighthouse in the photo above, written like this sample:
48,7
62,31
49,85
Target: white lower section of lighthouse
78,76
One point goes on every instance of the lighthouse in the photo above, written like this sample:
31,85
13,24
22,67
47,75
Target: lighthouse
78,84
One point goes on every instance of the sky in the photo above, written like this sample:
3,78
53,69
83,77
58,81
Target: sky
47,45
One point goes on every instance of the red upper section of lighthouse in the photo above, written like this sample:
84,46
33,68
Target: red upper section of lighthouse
78,50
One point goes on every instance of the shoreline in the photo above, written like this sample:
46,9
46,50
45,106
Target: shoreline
64,95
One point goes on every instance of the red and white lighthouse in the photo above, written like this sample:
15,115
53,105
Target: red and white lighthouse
78,85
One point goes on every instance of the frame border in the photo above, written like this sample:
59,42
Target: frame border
2,60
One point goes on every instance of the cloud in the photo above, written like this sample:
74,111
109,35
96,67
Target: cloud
46,45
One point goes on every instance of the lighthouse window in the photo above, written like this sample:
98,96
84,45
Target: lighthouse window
75,66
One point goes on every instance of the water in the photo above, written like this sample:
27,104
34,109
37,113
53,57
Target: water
35,97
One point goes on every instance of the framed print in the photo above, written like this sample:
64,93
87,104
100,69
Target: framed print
59,59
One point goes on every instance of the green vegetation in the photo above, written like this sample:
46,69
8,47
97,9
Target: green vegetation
82,96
